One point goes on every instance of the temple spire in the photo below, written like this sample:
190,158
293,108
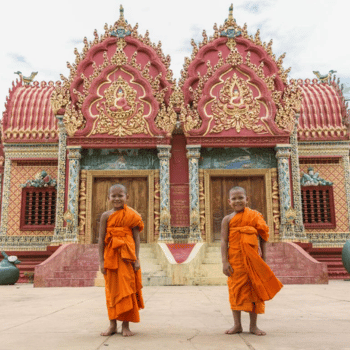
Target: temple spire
121,13
230,12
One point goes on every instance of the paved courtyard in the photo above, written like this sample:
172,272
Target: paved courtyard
313,317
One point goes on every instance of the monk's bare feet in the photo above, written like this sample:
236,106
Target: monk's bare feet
126,330
234,330
257,331
110,330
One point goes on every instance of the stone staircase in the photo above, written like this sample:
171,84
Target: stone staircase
292,265
152,274
210,271
78,267
30,259
288,261
332,257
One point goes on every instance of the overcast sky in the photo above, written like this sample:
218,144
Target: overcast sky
41,35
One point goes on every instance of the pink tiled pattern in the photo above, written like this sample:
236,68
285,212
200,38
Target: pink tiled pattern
19,175
335,174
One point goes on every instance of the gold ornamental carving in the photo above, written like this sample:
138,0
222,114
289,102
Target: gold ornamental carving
288,107
59,98
120,114
166,118
236,108
73,119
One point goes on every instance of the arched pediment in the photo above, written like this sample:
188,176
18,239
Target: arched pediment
235,88
119,87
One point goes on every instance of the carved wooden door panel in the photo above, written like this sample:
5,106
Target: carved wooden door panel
219,187
138,199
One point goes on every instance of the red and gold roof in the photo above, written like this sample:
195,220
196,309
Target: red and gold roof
28,115
323,114
118,91
236,92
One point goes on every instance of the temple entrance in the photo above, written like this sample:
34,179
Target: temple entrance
138,199
219,187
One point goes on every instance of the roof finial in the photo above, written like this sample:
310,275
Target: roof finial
120,29
121,12
230,12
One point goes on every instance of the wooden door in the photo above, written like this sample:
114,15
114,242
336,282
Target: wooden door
137,188
219,188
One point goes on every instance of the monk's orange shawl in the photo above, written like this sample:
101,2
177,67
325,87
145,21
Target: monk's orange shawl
252,281
123,284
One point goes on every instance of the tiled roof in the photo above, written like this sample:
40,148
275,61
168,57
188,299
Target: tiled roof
323,114
28,114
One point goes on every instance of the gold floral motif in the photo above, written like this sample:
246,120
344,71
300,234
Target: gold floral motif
73,119
59,98
236,108
286,108
166,118
177,98
190,118
234,58
120,115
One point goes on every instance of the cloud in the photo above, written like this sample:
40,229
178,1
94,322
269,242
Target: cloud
18,58
313,33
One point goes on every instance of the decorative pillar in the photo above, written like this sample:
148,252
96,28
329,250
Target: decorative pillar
282,155
5,195
164,179
299,227
346,165
193,154
71,215
82,207
61,182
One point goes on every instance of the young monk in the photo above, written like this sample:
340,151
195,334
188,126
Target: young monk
119,246
250,280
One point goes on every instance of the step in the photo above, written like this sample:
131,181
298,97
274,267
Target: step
150,266
210,270
217,260
158,278
210,281
146,254
213,255
213,249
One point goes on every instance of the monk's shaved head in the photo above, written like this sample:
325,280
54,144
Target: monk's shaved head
238,188
122,187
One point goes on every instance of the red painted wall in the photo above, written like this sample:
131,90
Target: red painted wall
179,183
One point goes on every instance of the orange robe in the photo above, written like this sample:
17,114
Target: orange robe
252,281
123,284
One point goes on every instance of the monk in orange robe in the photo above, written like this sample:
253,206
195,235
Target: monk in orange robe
250,280
119,246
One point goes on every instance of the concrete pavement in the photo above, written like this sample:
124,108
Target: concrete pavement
313,317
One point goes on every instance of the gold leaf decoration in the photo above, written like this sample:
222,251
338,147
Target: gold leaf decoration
120,114
236,108
291,100
73,119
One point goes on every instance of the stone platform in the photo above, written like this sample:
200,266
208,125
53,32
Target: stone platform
76,265
300,317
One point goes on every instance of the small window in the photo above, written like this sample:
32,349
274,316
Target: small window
38,209
318,206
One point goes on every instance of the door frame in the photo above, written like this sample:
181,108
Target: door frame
92,174
209,173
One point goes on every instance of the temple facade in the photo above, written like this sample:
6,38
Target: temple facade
233,119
